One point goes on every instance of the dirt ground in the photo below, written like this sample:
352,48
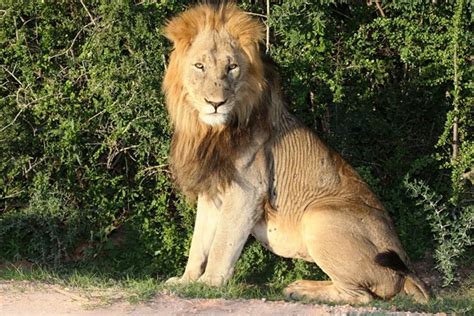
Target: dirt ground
29,298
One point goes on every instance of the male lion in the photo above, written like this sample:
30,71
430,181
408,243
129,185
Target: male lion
255,169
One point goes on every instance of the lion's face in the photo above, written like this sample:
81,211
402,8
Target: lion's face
213,68
215,75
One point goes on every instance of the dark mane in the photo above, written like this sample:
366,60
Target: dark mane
207,164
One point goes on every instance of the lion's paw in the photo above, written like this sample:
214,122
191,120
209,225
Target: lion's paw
294,290
290,292
212,280
174,281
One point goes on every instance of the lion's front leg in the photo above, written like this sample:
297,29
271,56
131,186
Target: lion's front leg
240,211
203,235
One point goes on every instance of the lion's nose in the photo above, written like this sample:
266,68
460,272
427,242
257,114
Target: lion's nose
215,104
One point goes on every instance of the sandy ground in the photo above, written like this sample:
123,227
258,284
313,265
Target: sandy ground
28,298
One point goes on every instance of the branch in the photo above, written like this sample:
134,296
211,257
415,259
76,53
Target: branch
12,122
72,43
13,75
469,175
456,78
87,10
267,39
148,171
257,14
114,153
11,196
164,62
95,115
32,166
378,5
267,27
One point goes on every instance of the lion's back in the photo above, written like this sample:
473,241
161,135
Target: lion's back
306,171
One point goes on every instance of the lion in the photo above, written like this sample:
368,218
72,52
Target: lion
256,170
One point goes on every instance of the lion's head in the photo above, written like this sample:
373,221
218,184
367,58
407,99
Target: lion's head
215,72
217,89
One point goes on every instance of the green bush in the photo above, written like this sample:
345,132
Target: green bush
84,135
451,227
82,95
46,230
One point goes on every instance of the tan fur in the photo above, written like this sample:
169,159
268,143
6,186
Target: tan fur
256,170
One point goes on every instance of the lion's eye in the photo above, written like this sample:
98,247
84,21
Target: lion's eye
199,66
232,66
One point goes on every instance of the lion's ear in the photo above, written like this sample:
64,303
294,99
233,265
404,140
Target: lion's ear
182,29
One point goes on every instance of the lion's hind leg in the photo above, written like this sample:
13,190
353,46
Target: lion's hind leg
326,291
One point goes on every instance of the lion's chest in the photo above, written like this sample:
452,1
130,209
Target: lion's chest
281,239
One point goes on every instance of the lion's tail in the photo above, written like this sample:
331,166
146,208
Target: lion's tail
412,285
415,287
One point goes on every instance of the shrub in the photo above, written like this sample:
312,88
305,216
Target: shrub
451,227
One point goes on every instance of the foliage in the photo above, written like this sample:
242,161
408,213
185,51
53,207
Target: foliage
44,220
379,89
82,95
84,136
450,232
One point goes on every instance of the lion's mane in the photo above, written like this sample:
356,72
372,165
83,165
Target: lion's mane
202,156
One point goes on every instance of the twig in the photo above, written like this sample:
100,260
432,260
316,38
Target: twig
72,43
341,14
267,27
13,75
114,152
87,10
456,80
32,166
151,168
267,39
164,62
71,295
149,171
257,14
378,5
16,29
455,139
95,115
469,175
11,196
12,122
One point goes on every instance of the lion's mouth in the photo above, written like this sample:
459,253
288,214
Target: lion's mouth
215,118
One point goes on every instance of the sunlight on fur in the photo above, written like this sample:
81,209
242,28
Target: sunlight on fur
255,169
